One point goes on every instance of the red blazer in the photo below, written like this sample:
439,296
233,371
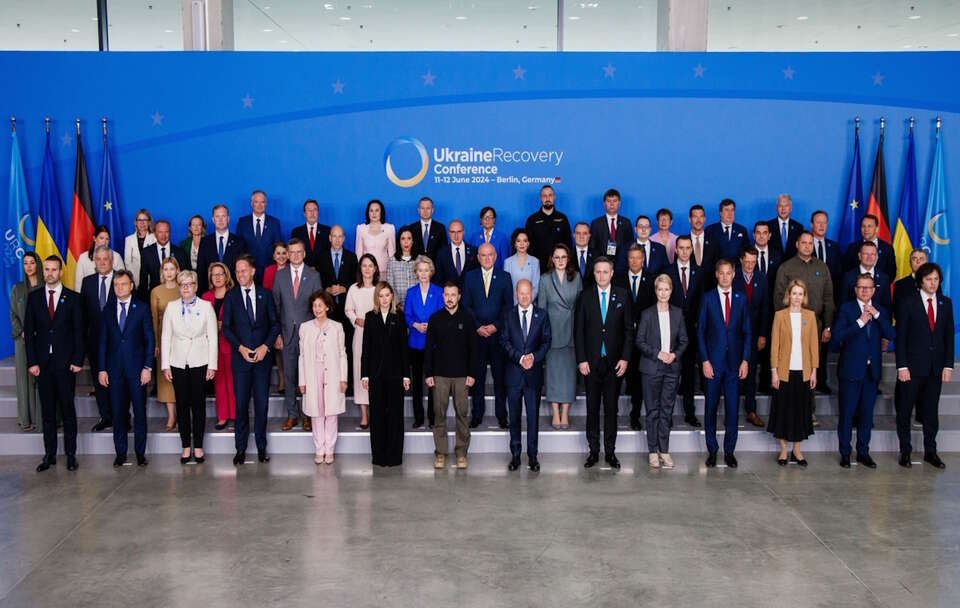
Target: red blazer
225,348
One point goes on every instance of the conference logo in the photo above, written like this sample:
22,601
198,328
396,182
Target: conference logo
399,144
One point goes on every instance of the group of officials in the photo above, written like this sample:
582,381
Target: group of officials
423,305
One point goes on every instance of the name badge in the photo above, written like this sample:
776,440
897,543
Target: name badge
611,248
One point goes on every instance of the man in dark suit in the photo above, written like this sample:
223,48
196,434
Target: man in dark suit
868,265
487,294
857,331
96,292
827,251
924,361
525,340
687,291
314,235
53,334
784,230
768,262
724,337
455,258
582,255
250,325
705,251
125,363
337,266
426,226
639,284
907,286
729,236
886,257
603,322
752,284
547,227
152,257
654,254
219,246
260,231
611,234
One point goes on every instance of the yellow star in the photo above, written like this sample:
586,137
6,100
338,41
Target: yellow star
854,204
108,205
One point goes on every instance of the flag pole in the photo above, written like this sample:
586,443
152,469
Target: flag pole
938,125
104,121
882,122
857,120
13,124
46,122
911,124
78,126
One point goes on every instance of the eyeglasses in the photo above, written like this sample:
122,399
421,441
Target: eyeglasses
186,283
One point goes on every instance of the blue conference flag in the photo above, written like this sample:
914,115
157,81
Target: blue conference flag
935,238
853,207
108,211
18,235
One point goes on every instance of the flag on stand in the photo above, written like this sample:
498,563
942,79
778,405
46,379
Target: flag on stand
81,219
108,211
935,238
51,238
18,235
853,203
877,204
906,236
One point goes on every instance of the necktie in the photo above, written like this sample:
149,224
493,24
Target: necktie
930,317
603,319
312,237
259,231
646,255
296,282
783,234
820,251
426,235
523,324
634,277
336,264
458,262
867,327
250,313
103,291
726,311
123,315
763,262
220,249
698,250
486,284
726,230
486,237
683,279
163,254
583,262
50,305
613,229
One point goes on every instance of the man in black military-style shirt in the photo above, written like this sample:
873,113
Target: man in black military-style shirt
547,227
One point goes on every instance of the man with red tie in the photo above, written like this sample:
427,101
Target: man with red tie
611,234
314,235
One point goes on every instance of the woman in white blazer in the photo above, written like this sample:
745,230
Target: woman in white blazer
188,358
323,374
134,244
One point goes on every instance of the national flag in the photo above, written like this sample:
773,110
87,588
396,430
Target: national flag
51,236
935,236
81,219
108,211
906,236
853,203
877,204
18,235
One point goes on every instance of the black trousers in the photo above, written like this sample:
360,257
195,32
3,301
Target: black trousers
188,387
748,386
416,388
602,385
635,386
924,393
688,374
251,380
56,388
386,421
489,351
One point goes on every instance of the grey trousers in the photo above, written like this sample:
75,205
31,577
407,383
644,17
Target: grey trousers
290,356
443,389
659,397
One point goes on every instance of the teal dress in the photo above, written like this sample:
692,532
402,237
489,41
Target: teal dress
28,401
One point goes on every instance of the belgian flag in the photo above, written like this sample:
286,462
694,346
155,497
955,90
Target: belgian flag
878,195
81,218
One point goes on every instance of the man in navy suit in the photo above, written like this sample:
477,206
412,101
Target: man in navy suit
857,331
611,234
337,266
125,363
784,230
868,265
827,251
705,251
582,255
729,236
768,261
924,361
753,284
96,292
525,339
314,235
259,231
219,246
603,341
686,294
152,257
250,325
53,335
886,260
654,254
455,258
487,294
724,336
429,235
639,284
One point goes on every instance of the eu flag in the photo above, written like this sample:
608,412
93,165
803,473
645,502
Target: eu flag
108,211
853,209
935,238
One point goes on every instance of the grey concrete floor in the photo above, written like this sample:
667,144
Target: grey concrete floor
289,533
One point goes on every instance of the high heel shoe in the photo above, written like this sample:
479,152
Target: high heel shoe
782,462
800,461
200,459
184,459
220,425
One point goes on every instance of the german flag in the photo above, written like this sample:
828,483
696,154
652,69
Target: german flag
81,218
878,195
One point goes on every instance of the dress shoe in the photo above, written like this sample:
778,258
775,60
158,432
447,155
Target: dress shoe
46,463
635,425
866,461
905,461
288,424
755,420
307,424
592,459
364,427
461,462
612,461
823,389
514,464
934,460
654,460
666,461
503,423
170,428
692,421
72,464
534,465
101,425
474,424
711,460
262,455
440,461
141,460
220,425
119,461
417,424
845,462
200,459
240,458
730,460
186,459
800,461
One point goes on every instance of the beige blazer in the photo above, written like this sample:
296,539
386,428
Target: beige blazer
334,401
189,344
131,255
781,341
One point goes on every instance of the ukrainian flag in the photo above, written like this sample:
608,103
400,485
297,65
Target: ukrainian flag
907,233
51,234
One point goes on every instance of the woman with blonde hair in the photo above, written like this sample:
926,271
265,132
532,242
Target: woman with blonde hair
220,281
161,295
794,358
134,244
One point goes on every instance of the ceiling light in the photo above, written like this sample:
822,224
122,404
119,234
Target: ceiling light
267,30
532,7
908,46
913,17
953,35
345,18
574,18
93,18
75,31
328,6
167,31
802,18
266,8
460,18
282,41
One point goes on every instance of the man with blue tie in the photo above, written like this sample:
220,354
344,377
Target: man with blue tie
784,230
857,331
249,323
724,336
686,294
455,258
582,255
338,271
526,340
487,294
220,246
96,292
260,231
429,235
729,236
125,363
753,284
654,254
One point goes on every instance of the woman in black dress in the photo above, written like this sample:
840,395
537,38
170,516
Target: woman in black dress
385,372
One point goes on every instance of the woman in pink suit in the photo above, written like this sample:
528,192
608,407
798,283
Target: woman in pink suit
218,276
375,236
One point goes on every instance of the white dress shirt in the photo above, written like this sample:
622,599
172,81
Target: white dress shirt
263,223
663,316
600,293
253,296
871,272
120,307
57,290
297,271
723,300
630,283
463,255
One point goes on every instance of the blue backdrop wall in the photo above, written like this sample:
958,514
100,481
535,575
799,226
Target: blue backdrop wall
188,130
